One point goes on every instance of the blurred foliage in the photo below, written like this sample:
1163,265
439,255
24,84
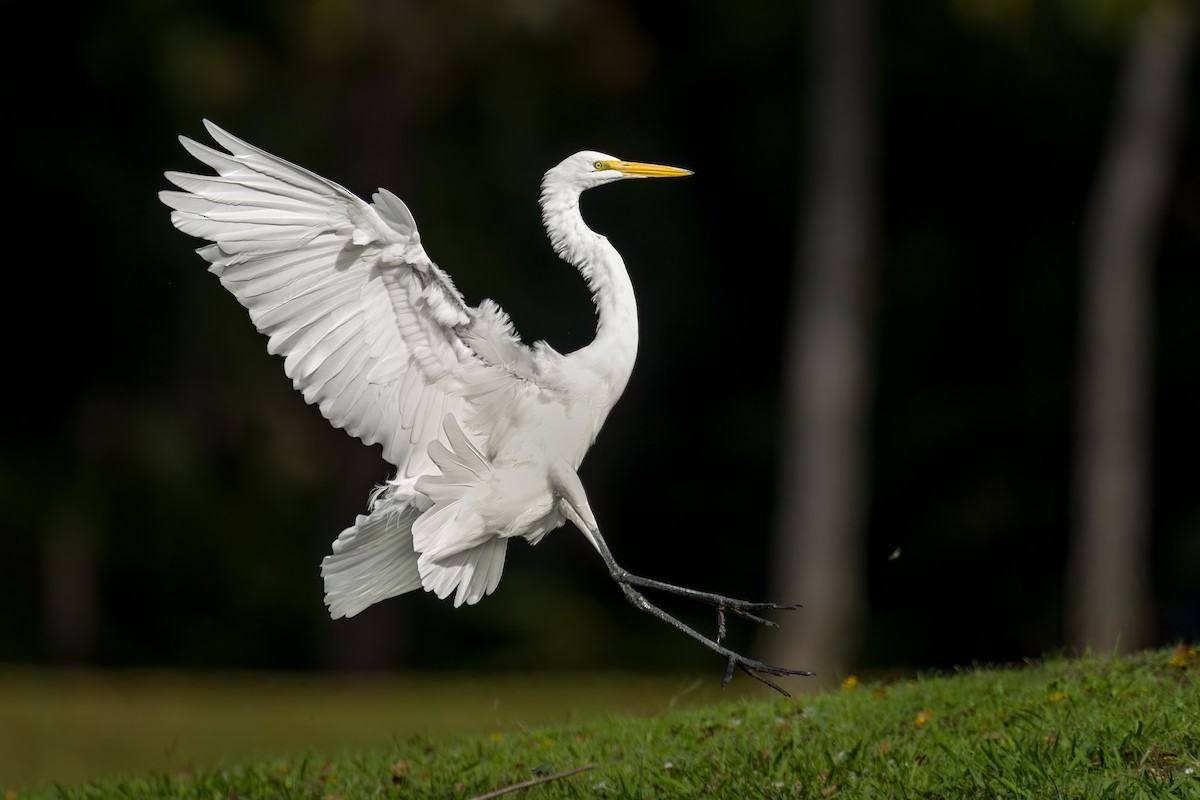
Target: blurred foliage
167,497
65,727
1101,20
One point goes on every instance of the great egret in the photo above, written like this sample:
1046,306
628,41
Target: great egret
486,433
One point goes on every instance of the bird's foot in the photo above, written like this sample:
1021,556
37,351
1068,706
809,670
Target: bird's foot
759,670
743,608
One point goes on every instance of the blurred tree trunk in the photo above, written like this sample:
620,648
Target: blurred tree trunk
70,595
822,490
382,636
1108,571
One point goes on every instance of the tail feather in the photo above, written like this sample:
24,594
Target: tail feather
461,464
457,550
475,572
372,560
434,539
451,525
448,529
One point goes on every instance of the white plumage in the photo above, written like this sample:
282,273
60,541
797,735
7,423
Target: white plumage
486,434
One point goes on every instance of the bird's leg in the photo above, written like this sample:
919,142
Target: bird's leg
743,608
577,509
752,667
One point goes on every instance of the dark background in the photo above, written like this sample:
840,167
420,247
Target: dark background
166,497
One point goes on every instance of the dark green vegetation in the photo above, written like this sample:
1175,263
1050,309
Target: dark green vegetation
1083,728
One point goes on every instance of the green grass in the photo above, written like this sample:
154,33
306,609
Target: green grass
1083,728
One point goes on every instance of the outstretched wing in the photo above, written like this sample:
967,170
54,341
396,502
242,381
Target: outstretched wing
369,327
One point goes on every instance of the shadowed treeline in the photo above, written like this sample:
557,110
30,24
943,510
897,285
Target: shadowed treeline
166,497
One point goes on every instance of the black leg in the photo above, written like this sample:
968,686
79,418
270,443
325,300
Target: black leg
742,608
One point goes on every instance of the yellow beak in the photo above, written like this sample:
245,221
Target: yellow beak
637,168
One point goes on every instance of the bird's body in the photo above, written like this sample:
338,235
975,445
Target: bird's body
486,433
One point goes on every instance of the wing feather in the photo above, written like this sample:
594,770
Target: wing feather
308,347
372,332
327,378
421,414
234,193
271,273
342,404
303,307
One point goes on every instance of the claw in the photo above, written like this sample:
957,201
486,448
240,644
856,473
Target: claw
754,674
755,669
748,615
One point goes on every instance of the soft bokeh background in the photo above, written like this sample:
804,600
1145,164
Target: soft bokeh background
166,497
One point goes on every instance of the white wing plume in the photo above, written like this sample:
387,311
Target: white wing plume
371,330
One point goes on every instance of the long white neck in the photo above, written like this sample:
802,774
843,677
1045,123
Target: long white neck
615,347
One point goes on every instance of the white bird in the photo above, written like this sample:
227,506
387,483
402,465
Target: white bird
485,433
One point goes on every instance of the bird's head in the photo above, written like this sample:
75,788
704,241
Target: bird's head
589,168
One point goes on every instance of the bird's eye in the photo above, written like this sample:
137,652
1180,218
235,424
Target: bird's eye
599,165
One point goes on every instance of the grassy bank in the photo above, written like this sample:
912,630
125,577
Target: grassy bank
1082,728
